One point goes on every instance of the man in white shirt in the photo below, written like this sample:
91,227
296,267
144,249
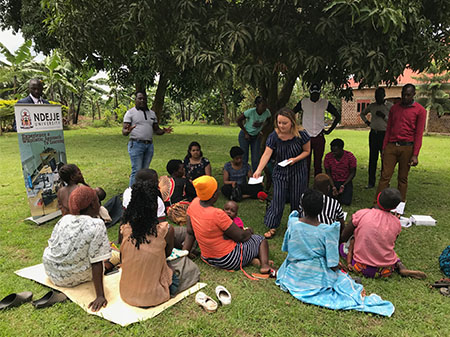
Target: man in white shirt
379,113
313,120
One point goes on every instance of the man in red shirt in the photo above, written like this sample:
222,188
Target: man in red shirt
403,140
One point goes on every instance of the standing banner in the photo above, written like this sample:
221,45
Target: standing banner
42,152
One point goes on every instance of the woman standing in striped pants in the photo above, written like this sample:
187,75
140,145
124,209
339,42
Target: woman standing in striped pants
290,143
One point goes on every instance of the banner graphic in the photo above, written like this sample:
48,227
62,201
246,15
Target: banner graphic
42,152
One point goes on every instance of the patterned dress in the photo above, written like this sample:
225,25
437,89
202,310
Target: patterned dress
76,243
307,275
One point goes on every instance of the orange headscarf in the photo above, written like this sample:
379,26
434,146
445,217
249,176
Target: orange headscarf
205,186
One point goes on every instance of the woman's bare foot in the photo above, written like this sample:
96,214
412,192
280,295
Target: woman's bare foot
412,273
270,233
257,263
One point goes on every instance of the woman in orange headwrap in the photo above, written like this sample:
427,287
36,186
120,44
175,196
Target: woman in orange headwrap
222,243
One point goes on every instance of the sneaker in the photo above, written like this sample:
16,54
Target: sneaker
368,187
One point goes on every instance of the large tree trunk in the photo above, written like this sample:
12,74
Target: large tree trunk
158,102
226,118
75,119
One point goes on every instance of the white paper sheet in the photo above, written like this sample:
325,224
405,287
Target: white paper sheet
255,181
285,162
400,208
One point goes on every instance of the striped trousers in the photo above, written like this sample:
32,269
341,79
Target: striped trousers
286,183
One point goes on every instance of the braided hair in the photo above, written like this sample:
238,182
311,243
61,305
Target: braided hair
141,213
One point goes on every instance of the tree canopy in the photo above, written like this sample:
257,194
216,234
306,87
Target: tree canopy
265,44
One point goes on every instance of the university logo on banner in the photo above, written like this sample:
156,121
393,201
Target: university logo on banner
42,152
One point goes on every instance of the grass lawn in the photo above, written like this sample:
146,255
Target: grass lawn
258,308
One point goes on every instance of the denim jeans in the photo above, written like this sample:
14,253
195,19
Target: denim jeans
141,155
255,144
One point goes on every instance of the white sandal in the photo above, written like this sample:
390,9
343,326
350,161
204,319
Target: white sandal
206,302
223,295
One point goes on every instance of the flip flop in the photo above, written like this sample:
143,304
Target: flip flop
206,302
271,274
223,295
14,300
445,291
445,282
49,299
270,233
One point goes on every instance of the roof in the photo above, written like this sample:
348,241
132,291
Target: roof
406,77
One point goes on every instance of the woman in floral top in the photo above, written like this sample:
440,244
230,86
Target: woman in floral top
195,165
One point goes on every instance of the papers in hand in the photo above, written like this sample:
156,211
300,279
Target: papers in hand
255,181
285,162
400,208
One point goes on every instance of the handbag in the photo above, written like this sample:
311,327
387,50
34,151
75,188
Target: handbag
187,272
236,193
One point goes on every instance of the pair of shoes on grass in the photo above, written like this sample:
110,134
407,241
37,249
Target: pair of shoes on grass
15,300
208,304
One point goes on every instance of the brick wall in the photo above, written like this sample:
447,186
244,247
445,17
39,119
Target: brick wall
350,114
351,118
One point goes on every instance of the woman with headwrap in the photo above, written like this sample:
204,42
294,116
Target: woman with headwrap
222,243
78,246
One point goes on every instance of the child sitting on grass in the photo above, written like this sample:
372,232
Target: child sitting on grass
375,231
231,208
177,191
72,176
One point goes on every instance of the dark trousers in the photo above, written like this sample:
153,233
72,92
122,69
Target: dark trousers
317,149
251,190
375,147
345,198
392,155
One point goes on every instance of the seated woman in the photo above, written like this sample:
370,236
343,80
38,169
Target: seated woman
309,272
195,165
146,278
71,175
235,173
340,165
78,246
375,230
220,240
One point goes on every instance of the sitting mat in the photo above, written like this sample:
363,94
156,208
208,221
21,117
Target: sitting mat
117,311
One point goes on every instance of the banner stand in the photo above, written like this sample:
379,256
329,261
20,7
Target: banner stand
43,219
42,153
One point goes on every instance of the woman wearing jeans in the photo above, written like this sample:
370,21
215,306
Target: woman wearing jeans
250,131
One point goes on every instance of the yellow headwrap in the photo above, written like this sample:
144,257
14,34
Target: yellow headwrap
205,186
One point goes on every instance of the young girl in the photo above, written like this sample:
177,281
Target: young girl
177,192
146,278
235,173
195,165
231,208
72,176
288,143
254,118
78,246
310,270
375,232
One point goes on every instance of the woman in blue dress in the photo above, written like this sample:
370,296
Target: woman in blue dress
290,144
310,270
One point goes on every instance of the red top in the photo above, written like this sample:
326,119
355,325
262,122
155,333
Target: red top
209,224
340,169
406,124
